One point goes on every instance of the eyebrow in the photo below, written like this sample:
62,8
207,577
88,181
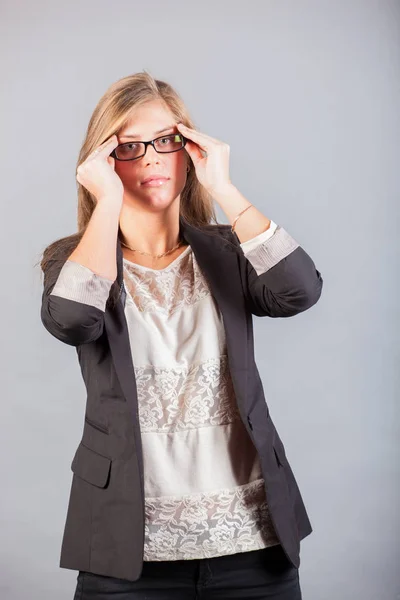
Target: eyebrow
134,136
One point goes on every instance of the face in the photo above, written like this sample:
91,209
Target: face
149,121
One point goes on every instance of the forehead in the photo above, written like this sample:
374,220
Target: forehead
148,120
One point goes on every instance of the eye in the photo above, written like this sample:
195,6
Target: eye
165,140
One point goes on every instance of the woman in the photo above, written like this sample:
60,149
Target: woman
180,483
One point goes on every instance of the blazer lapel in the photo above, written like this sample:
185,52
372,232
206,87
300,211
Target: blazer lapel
219,265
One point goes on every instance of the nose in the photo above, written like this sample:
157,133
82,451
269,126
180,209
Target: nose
151,155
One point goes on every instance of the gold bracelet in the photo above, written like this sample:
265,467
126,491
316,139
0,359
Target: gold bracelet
244,210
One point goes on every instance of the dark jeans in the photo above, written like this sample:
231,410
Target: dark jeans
258,575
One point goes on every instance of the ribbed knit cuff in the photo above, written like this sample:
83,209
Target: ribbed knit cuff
79,283
261,237
268,253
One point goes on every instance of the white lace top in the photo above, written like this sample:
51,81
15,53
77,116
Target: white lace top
204,492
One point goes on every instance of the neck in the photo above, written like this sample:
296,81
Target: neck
153,233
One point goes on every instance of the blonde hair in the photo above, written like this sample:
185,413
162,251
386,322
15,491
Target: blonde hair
109,116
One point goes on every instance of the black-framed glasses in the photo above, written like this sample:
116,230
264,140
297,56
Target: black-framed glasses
164,145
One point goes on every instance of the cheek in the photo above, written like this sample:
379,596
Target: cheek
180,166
125,170
179,172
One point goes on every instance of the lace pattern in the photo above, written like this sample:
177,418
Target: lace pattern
173,399
207,525
166,290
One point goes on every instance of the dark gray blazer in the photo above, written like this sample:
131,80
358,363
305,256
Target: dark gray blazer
104,529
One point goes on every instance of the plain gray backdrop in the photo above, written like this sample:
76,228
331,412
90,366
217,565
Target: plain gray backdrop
307,95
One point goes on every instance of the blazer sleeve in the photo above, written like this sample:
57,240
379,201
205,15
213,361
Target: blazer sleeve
73,302
279,278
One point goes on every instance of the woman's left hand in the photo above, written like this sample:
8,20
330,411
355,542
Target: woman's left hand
212,170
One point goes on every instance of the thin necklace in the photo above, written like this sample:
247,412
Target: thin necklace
153,255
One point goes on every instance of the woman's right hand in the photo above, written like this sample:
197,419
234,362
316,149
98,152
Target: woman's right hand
97,173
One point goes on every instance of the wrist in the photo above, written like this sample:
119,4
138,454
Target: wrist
110,199
223,192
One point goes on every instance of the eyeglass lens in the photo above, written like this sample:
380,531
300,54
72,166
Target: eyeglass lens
168,143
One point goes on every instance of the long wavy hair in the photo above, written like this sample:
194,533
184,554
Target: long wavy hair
109,116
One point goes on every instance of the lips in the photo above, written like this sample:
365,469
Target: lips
155,178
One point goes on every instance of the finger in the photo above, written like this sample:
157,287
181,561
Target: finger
194,151
112,142
204,142
198,136
105,148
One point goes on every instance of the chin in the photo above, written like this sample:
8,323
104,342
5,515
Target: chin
159,200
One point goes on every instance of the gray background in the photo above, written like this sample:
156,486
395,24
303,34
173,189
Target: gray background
307,95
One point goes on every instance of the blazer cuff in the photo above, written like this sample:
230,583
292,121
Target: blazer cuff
79,283
269,252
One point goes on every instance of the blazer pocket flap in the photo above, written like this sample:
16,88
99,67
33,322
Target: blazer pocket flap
91,466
